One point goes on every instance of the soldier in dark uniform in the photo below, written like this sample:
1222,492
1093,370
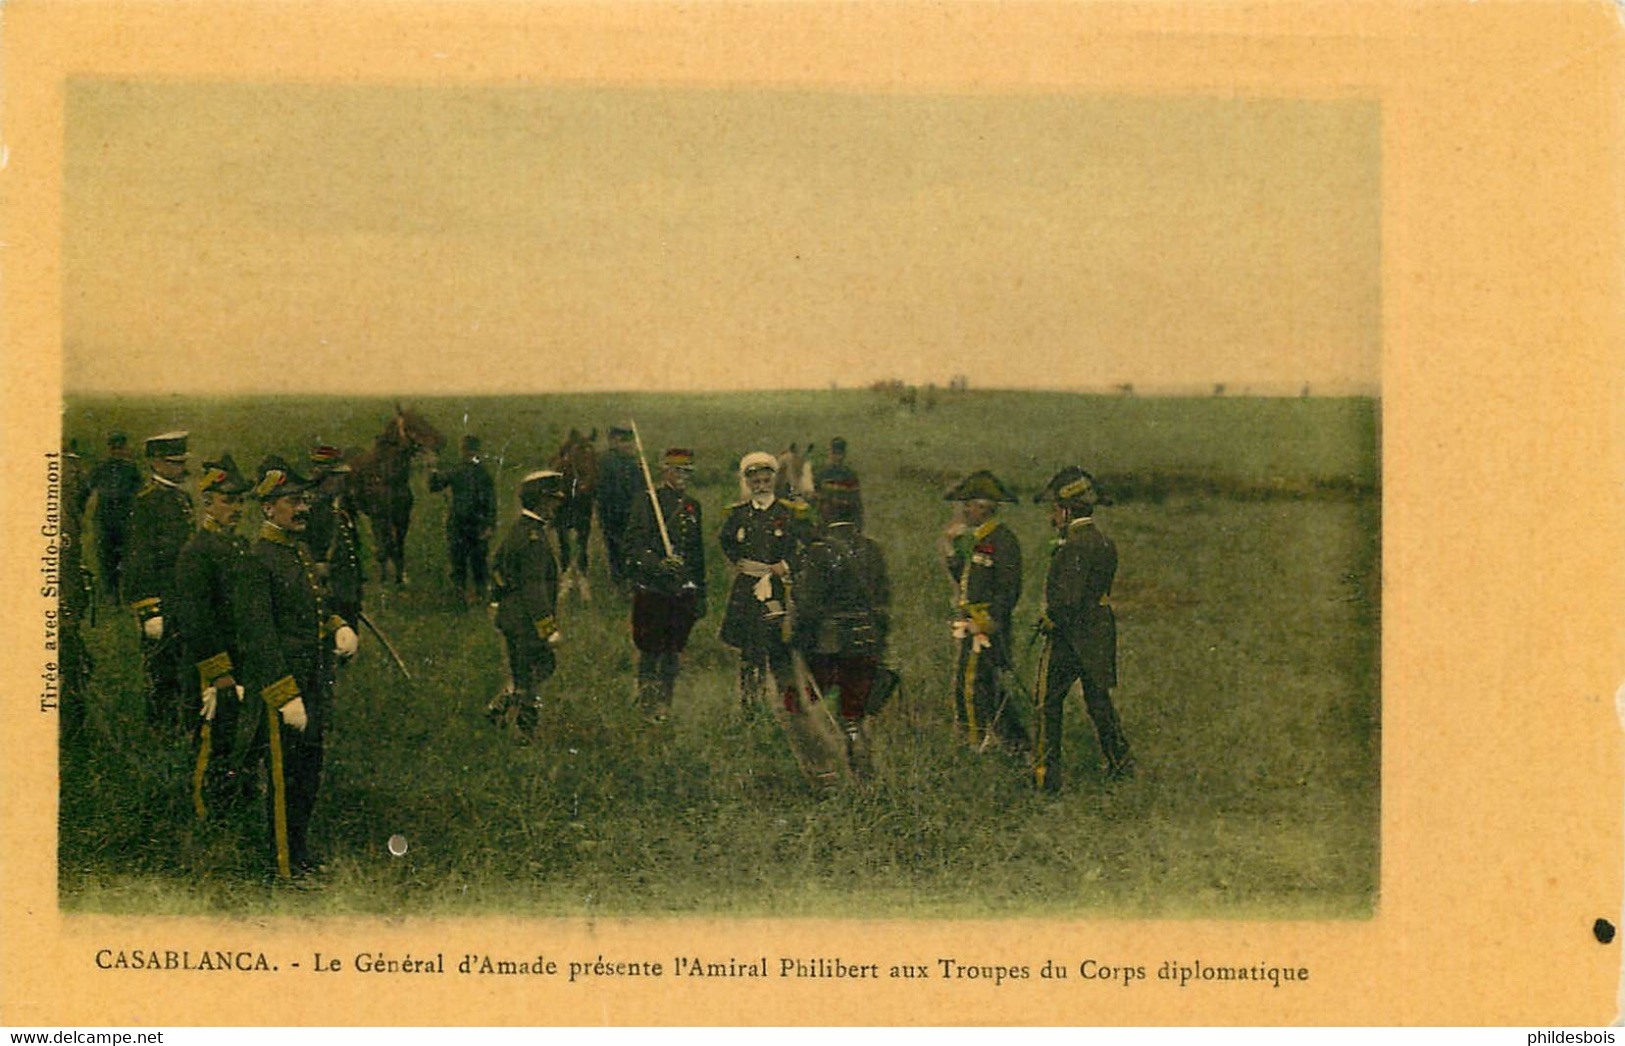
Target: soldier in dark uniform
666,562
333,538
525,575
842,610
471,520
74,595
836,471
620,483
286,635
209,574
113,485
983,558
763,537
1080,632
160,525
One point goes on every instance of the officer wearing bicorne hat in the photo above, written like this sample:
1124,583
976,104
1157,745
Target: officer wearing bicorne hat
1080,631
983,558
160,524
209,577
525,593
763,537
289,640
665,559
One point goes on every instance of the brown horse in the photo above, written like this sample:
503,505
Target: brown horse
577,459
381,485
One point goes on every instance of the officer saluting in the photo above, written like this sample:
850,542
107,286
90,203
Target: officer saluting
763,537
209,575
525,579
160,524
983,558
1080,631
665,555
288,646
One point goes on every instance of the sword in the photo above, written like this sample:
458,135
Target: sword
393,653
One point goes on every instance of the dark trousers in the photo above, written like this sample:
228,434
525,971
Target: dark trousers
853,676
470,553
981,703
1061,670
660,627
531,662
614,528
223,772
299,760
161,662
766,651
110,549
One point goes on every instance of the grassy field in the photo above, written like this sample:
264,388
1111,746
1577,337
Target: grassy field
1247,597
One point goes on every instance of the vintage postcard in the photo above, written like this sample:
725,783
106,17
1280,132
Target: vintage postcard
813,514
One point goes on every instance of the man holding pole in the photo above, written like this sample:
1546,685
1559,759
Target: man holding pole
665,553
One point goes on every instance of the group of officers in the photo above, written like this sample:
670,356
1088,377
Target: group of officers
238,631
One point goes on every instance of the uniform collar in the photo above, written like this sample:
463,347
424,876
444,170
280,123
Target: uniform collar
1077,525
763,502
214,526
276,535
528,514
171,484
985,529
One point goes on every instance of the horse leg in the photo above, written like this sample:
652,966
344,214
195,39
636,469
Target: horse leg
403,520
583,531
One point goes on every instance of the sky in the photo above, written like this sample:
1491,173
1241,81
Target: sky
376,239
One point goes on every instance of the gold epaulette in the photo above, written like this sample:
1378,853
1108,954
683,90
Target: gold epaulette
546,626
145,608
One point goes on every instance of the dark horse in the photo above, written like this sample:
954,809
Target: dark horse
577,459
381,485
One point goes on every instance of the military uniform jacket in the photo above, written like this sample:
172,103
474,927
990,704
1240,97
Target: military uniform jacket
763,535
646,551
160,525
620,484
334,541
986,567
114,482
525,576
283,623
473,497
843,595
209,575
1075,592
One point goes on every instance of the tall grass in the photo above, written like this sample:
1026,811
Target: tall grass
1248,623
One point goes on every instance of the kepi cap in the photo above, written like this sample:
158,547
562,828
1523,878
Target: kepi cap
170,445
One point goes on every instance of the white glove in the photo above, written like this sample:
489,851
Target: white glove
763,589
208,704
961,628
293,713
553,639
345,641
153,627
